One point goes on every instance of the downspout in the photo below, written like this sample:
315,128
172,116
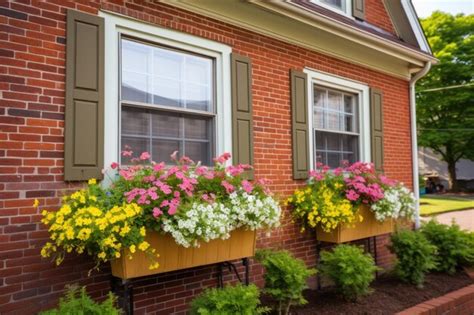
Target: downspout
414,143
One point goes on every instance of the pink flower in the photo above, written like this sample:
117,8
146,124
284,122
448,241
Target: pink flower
352,195
222,158
145,156
157,212
174,155
114,165
185,160
338,171
210,175
235,170
158,167
128,153
247,186
228,187
201,170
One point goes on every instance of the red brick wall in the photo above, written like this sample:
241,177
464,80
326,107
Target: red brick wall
376,14
32,66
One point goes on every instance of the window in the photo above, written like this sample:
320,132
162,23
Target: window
335,123
167,101
340,121
340,6
166,90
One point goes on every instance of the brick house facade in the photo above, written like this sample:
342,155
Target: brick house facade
32,105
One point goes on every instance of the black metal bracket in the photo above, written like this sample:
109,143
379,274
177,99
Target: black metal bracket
232,268
123,289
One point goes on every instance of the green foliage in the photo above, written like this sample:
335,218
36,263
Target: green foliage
445,116
285,278
231,300
350,268
455,247
415,256
77,302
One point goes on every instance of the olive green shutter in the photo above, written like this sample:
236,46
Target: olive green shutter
376,128
242,121
358,9
299,124
84,113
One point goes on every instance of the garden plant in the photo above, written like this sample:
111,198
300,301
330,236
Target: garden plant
415,256
350,269
285,278
230,300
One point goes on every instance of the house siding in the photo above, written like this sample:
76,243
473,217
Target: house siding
376,14
32,87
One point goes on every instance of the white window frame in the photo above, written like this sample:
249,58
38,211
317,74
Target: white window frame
115,25
347,12
362,92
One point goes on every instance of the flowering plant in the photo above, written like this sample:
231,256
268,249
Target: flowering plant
193,203
87,222
333,197
398,202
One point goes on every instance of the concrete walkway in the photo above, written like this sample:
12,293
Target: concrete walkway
464,218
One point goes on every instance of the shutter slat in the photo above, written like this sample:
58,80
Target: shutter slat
299,124
358,9
376,126
84,111
242,120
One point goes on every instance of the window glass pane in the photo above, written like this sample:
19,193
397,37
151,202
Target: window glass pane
162,149
348,123
197,128
161,76
333,141
334,101
335,3
197,97
137,145
319,97
334,159
167,92
332,121
320,140
135,121
136,87
198,151
348,103
166,125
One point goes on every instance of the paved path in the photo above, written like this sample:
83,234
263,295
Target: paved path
464,218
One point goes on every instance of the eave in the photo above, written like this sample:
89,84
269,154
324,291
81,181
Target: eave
296,25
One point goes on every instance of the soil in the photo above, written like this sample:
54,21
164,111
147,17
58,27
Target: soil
389,296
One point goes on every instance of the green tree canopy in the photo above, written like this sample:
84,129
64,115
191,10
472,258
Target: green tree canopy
445,97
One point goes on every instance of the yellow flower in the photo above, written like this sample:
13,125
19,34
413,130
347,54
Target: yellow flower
101,255
117,254
36,203
143,246
132,249
142,231
124,231
154,266
92,181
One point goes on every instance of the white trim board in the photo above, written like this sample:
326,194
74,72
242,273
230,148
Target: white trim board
116,25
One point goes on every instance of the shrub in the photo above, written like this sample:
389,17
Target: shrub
231,300
351,270
285,278
454,246
77,302
415,256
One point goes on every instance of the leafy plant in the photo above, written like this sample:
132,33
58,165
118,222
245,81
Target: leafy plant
77,302
415,256
455,247
285,278
231,300
351,270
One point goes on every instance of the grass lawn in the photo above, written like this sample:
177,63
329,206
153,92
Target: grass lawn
438,204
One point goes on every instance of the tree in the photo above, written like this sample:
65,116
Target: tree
445,97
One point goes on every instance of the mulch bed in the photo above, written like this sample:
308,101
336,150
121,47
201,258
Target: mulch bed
389,296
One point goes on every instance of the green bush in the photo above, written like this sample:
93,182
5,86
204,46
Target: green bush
285,278
415,256
454,246
351,270
231,300
77,302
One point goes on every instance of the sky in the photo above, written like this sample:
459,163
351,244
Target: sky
425,7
